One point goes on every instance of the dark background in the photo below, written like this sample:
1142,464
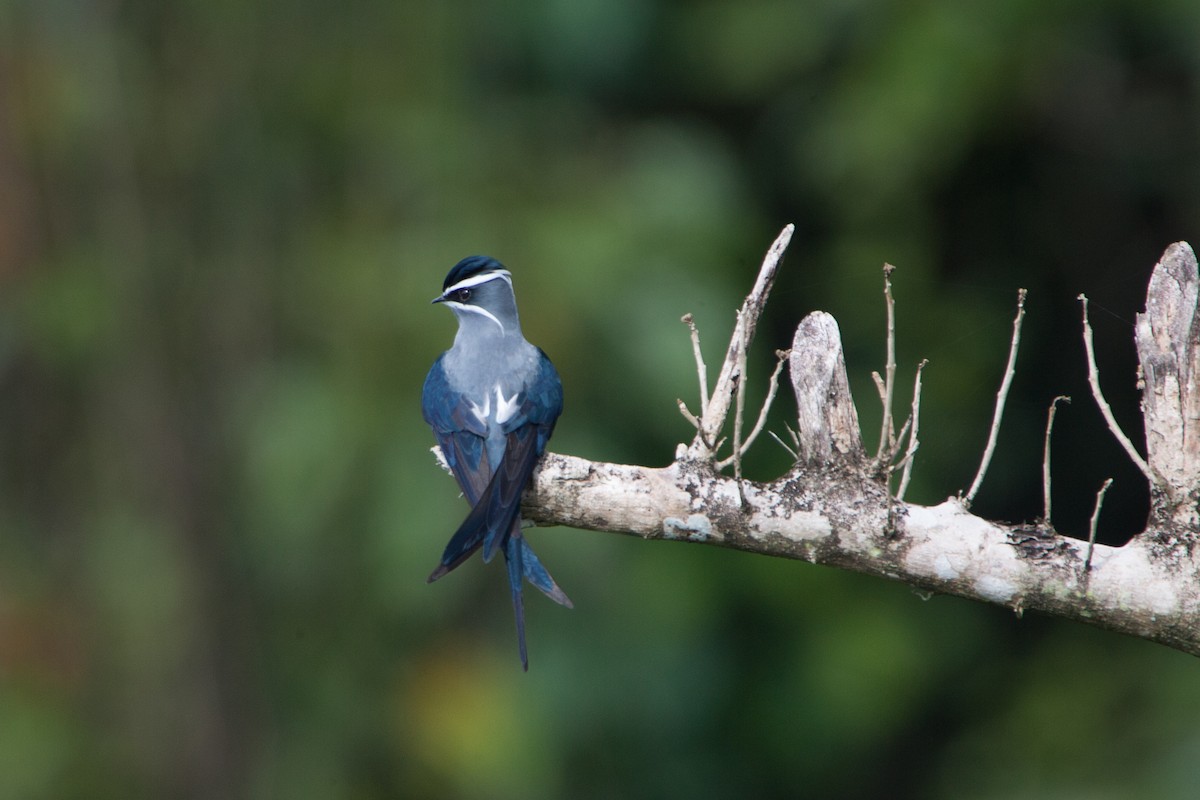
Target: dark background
220,227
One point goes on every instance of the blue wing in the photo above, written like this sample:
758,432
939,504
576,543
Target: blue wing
526,432
459,433
495,495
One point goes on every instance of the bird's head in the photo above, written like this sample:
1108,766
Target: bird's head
480,293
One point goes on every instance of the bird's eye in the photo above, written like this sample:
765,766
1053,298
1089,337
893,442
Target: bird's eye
462,295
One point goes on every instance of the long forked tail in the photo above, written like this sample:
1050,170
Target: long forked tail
523,565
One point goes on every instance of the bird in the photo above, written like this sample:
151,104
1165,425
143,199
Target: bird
492,401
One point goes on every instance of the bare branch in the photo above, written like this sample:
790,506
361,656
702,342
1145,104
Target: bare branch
881,387
701,369
772,389
1087,562
1167,334
688,415
838,518
1001,397
1046,456
887,438
904,429
739,409
795,437
795,456
1105,410
747,320
913,443
827,422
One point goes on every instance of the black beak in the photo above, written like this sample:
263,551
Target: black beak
439,299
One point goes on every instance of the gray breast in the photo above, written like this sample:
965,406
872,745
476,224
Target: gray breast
493,378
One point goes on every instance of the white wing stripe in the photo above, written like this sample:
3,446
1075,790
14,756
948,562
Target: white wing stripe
482,414
506,409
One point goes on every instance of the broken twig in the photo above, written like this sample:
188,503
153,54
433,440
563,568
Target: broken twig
887,385
1087,562
1001,397
713,418
701,369
1046,456
913,443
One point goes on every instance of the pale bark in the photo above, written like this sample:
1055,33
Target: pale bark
833,506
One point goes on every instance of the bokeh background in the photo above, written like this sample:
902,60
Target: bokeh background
220,227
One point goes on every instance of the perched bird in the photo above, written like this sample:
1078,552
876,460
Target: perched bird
492,400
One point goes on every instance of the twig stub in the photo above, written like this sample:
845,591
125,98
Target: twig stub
826,417
1168,345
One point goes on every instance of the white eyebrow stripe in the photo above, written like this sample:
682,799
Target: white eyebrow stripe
475,280
475,310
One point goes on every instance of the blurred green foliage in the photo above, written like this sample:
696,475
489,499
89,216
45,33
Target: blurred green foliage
221,223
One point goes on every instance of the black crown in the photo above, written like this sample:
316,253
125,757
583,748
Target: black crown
471,265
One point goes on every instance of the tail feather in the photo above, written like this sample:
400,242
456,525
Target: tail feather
451,558
494,514
503,495
523,564
487,525
494,523
481,528
536,574
513,554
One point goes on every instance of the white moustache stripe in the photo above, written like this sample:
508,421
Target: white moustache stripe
475,280
475,310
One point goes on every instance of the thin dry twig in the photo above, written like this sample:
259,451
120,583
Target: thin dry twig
794,435
719,401
1105,410
913,442
701,368
795,456
692,418
739,409
904,429
1001,397
1046,456
890,529
772,389
887,436
1087,562
879,385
